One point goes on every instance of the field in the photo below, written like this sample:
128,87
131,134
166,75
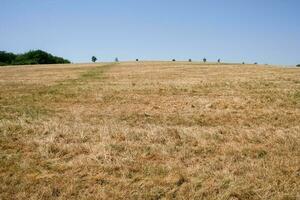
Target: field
150,130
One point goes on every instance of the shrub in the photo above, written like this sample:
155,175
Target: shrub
219,60
298,65
173,60
190,60
116,59
204,59
255,63
94,59
137,60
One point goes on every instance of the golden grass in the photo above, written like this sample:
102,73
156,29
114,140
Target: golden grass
149,130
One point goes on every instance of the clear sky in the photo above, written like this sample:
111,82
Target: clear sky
263,31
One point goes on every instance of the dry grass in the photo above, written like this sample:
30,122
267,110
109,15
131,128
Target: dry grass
149,130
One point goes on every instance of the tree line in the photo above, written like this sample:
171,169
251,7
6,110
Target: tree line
30,58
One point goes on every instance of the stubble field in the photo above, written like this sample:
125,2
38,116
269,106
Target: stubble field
150,130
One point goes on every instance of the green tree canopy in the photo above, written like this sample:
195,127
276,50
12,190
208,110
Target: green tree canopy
94,59
30,58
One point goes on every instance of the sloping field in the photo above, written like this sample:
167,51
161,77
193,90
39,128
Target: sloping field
149,130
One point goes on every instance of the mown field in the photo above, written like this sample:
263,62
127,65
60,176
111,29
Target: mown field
150,130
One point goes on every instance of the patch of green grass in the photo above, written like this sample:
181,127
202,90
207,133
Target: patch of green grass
27,105
92,74
35,102
95,74
155,170
294,97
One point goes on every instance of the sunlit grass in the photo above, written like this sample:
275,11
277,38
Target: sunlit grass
149,130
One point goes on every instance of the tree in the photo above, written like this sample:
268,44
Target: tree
7,58
136,60
190,60
298,65
219,60
116,59
173,60
94,59
204,59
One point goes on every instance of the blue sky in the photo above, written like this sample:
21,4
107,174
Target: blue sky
264,31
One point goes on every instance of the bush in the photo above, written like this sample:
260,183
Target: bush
30,58
173,60
116,59
136,60
219,60
298,65
190,60
204,59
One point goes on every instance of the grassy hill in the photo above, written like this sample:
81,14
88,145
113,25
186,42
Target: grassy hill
149,130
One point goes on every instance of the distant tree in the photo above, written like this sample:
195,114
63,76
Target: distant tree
190,60
219,60
94,59
204,59
298,65
243,63
173,60
255,63
116,59
137,60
